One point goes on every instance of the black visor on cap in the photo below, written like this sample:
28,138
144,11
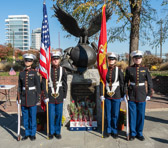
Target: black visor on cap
138,56
55,57
111,58
28,60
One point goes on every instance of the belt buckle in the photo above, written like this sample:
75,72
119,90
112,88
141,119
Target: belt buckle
110,93
55,95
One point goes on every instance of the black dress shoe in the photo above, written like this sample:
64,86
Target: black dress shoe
132,138
32,138
58,136
141,138
25,138
50,137
107,135
115,136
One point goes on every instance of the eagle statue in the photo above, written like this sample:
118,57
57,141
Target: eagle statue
82,56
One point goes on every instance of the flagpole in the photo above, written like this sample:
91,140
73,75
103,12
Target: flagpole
103,114
103,103
47,111
44,2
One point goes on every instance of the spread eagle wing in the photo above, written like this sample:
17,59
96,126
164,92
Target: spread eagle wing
95,23
68,22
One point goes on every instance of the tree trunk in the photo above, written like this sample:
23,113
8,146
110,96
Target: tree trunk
134,34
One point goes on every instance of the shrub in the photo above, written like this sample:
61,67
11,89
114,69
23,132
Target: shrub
150,60
10,59
164,66
16,67
7,67
2,66
122,64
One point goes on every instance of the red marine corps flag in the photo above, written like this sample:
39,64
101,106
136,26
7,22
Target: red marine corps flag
102,48
101,57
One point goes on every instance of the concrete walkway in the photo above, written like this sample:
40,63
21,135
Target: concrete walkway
155,132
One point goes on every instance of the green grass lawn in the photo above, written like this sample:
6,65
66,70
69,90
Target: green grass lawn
159,73
7,73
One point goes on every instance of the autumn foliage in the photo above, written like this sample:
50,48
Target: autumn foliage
5,51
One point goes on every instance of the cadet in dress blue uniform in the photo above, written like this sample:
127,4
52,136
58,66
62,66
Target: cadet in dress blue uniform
114,91
57,91
135,78
29,89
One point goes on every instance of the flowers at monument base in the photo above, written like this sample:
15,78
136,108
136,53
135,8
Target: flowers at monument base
82,114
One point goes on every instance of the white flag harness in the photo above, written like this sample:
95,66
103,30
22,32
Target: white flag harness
55,94
115,84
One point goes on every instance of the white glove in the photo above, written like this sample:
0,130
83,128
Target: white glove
64,99
18,102
148,98
46,100
102,98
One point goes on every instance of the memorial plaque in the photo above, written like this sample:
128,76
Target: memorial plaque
80,91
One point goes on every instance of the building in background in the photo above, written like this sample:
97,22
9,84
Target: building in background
36,38
18,31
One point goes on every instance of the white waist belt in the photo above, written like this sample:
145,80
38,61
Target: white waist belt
30,88
139,84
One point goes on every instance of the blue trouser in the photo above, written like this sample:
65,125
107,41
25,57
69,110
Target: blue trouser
112,113
29,120
136,117
55,118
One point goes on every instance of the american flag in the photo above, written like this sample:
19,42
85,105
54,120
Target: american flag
44,67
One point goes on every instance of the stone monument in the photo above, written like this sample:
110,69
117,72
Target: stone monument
83,83
81,87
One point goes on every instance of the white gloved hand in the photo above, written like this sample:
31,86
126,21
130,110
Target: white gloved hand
122,99
18,102
64,99
46,100
102,98
148,98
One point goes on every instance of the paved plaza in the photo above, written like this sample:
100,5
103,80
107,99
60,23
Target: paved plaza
155,132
